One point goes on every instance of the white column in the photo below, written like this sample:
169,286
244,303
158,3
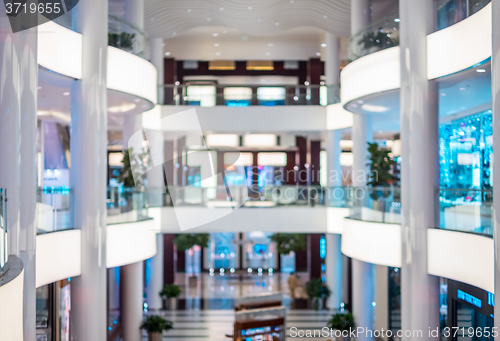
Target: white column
361,134
18,107
131,304
89,172
363,294
332,67
333,264
360,15
333,261
495,77
155,271
362,273
131,125
133,12
420,173
157,58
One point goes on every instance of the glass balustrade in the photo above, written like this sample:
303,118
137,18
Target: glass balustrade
469,210
375,204
380,35
209,95
4,251
121,34
125,205
450,12
53,209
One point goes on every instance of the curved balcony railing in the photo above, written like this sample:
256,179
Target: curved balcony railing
375,204
380,35
4,251
468,210
450,12
126,205
211,94
121,34
53,209
127,37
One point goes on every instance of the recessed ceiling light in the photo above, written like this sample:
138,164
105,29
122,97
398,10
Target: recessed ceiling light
209,19
463,89
39,87
66,93
291,1
174,33
259,20
217,53
323,45
163,44
189,10
249,7
216,44
215,34
277,24
137,100
152,19
224,31
397,20
443,94
144,106
270,45
268,53
167,53
481,70
318,54
222,8
325,16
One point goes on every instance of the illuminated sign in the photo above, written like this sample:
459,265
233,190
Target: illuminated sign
461,295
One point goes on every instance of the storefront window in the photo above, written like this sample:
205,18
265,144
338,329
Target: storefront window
466,151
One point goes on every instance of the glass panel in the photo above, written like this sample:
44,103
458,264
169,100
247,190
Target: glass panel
127,205
271,96
4,252
378,36
238,97
53,209
377,204
127,37
201,95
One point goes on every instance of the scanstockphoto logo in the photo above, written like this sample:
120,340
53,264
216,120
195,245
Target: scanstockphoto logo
26,14
153,156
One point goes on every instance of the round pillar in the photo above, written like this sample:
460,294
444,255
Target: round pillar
363,294
419,171
154,276
88,174
131,303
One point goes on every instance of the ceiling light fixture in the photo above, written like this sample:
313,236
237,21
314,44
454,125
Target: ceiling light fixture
167,53
277,24
189,10
397,20
323,45
66,93
215,34
222,8
216,44
481,70
325,16
318,54
209,19
250,7
270,45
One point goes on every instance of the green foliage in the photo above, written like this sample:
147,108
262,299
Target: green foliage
170,291
139,161
380,164
341,322
124,40
185,241
316,289
288,242
156,324
380,38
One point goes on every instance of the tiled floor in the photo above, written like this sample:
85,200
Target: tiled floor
206,306
213,325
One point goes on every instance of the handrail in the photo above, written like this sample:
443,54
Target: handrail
4,252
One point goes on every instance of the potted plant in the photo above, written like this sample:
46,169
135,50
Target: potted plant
288,242
186,241
342,322
318,292
154,325
170,292
380,177
132,187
